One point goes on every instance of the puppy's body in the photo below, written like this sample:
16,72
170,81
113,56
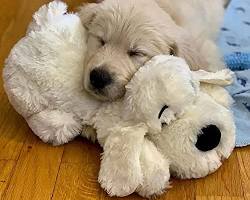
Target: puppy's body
123,35
200,18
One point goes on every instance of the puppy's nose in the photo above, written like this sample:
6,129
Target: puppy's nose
209,138
100,78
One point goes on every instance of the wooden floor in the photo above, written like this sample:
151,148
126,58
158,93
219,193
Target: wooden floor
32,170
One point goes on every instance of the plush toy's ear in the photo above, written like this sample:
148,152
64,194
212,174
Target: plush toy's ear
222,78
87,13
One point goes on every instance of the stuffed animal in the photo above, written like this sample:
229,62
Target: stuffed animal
190,125
43,75
192,109
157,127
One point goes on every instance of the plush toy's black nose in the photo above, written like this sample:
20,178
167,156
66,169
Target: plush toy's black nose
100,78
209,138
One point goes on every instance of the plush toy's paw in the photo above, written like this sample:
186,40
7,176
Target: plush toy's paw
120,181
118,175
54,126
120,172
155,183
155,168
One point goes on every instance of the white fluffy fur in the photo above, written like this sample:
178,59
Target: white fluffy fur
211,106
43,75
43,80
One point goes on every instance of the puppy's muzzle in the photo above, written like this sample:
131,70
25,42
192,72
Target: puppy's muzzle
100,78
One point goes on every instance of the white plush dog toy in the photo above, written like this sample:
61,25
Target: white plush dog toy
191,110
165,122
190,125
43,75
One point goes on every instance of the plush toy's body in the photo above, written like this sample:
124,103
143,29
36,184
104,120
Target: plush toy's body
43,75
159,127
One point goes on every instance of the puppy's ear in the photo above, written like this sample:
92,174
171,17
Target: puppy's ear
87,13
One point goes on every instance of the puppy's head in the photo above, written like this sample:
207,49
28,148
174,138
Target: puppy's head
122,36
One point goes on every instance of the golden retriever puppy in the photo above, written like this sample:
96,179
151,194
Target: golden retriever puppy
124,34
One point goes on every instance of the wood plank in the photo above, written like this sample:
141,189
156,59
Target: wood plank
218,198
13,132
181,189
244,160
75,182
224,182
6,167
36,171
79,181
79,150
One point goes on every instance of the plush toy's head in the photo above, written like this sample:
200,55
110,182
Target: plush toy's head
164,88
160,91
199,131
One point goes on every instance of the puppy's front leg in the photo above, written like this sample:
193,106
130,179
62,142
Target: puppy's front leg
120,173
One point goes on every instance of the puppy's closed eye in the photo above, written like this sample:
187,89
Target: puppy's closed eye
173,50
102,41
136,53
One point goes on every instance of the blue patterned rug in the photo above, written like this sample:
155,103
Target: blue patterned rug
235,45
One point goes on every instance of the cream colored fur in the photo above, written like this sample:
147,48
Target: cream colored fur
186,28
43,80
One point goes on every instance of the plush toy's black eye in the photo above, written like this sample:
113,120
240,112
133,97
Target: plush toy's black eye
162,110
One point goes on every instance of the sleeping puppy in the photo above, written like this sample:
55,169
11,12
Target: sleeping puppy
124,34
